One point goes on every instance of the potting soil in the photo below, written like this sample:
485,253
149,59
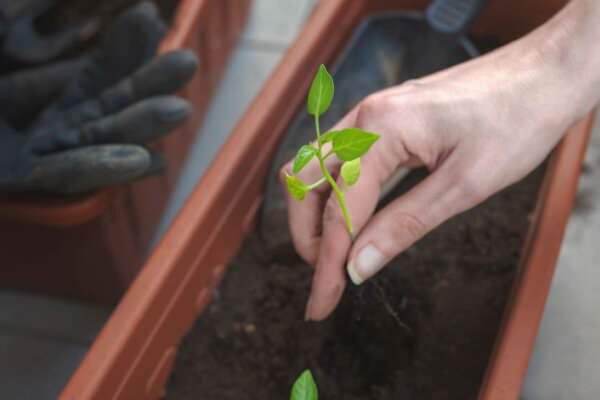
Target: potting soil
423,329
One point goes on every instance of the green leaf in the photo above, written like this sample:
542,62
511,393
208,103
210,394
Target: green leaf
352,143
296,187
328,136
304,155
305,388
351,171
320,93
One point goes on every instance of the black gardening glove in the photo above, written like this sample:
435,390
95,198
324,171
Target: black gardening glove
98,142
70,171
91,136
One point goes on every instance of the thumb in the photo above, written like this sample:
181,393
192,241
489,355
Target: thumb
443,194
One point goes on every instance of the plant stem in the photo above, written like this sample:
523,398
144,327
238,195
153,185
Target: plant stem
328,154
338,193
316,184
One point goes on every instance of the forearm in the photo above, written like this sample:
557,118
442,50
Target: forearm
568,47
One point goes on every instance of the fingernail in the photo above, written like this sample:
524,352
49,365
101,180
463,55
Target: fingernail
307,311
354,277
366,264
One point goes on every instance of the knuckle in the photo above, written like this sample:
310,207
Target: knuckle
332,213
471,188
413,84
371,106
406,224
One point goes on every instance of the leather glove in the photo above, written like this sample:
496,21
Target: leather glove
92,135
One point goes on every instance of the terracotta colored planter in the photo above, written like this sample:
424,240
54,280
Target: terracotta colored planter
133,355
92,246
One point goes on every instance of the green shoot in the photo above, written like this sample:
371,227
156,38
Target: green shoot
348,145
305,388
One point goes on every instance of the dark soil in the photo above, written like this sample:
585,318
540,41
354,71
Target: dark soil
423,329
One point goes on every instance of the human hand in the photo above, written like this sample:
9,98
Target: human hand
478,128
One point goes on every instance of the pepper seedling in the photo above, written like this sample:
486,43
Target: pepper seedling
348,145
305,388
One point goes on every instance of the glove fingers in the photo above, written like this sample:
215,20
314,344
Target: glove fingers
128,43
139,123
89,168
164,75
24,93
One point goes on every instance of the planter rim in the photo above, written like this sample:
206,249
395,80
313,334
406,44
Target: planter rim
63,211
523,315
175,284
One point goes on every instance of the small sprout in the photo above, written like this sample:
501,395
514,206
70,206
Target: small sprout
320,93
328,137
350,171
305,388
352,143
348,145
305,154
296,187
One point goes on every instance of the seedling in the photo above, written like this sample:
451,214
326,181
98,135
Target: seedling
348,145
305,388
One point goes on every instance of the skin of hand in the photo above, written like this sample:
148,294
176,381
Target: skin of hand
478,127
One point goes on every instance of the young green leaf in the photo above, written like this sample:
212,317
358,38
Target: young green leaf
352,143
305,388
350,171
321,92
304,155
296,187
328,136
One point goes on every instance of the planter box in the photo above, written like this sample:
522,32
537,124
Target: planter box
134,353
92,246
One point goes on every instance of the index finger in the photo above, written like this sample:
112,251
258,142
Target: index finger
305,217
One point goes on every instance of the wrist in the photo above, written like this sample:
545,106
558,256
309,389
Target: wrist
565,50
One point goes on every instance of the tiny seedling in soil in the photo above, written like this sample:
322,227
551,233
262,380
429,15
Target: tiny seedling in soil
305,388
348,145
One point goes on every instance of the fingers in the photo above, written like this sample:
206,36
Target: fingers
305,217
89,168
383,236
329,279
392,230
139,123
